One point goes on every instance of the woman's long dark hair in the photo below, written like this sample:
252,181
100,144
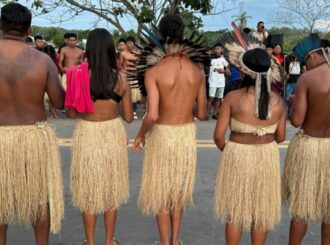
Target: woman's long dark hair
101,56
258,60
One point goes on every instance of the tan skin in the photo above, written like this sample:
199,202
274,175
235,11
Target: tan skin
124,58
70,55
240,104
309,113
176,93
107,110
28,74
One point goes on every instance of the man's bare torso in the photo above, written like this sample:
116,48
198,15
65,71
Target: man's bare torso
317,120
126,58
24,75
72,56
179,81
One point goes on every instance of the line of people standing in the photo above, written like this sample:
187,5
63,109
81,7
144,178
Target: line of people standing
247,193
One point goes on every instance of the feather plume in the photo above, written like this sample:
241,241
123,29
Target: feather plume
153,50
307,45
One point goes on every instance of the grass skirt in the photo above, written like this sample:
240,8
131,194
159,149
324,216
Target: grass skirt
247,191
168,168
306,180
135,91
30,176
99,170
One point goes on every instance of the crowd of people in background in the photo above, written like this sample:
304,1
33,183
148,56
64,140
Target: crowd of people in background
221,76
247,193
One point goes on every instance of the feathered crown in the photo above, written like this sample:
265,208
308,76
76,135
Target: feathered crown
153,50
310,43
236,44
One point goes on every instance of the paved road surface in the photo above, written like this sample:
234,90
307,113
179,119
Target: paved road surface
199,225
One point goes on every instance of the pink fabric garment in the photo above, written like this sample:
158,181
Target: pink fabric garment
78,95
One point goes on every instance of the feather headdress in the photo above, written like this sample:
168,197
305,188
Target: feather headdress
309,44
153,50
236,44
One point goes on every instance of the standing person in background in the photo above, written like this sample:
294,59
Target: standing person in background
219,68
261,34
39,43
121,45
278,54
176,93
127,58
293,70
70,55
31,179
99,170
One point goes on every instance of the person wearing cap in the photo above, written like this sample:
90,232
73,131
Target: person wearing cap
306,180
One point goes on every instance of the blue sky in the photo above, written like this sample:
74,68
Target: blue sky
258,10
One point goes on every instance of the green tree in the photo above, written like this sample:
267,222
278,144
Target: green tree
142,12
242,19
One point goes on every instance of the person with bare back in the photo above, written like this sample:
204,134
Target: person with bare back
307,165
175,88
30,179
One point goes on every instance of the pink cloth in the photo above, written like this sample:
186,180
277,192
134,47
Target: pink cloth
78,95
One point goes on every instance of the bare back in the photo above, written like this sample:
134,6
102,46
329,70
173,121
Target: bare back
242,103
179,82
312,102
110,109
25,75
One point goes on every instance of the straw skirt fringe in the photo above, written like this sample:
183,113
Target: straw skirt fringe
99,171
135,91
30,176
247,191
306,180
168,168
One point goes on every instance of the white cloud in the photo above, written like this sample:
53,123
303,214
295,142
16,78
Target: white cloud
322,24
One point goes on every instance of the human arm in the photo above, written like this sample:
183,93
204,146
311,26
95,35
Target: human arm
126,101
152,110
299,108
200,110
121,61
54,88
61,60
281,126
222,123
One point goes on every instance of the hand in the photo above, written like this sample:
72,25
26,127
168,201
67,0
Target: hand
127,140
291,100
138,144
221,71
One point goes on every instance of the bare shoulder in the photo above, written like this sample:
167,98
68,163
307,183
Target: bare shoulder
79,50
233,96
153,71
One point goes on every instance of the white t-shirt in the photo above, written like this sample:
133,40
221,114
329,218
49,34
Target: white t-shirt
216,79
261,36
294,68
